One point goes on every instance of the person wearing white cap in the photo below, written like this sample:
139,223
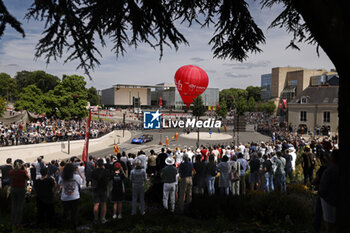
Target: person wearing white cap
169,178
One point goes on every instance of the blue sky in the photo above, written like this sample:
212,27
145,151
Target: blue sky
142,66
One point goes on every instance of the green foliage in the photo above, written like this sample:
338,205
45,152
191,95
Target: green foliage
8,89
241,100
251,104
68,99
222,111
254,92
198,107
2,106
93,96
269,208
31,99
44,81
268,107
241,105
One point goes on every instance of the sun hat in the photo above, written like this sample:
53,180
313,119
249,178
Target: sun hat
169,161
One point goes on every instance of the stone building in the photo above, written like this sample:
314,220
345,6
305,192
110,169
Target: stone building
315,110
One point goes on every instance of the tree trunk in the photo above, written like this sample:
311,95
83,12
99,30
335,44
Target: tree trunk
329,23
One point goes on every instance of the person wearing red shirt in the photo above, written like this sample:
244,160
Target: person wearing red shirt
204,153
18,178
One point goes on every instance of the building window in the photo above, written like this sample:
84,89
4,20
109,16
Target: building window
303,100
303,116
326,117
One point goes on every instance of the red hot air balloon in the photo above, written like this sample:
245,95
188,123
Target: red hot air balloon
190,81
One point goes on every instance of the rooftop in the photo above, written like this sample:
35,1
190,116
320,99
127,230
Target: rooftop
318,95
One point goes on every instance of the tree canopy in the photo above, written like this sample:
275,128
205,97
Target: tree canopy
44,81
222,110
31,99
68,99
8,88
93,96
2,106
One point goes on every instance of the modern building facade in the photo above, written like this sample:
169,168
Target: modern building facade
122,95
266,80
315,109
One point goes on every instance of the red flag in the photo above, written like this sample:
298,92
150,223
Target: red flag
86,145
281,107
160,101
285,103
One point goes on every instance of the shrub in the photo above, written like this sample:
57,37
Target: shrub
264,207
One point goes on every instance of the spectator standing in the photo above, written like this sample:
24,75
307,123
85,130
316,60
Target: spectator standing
169,179
38,165
70,183
161,160
100,177
52,170
280,172
90,165
308,164
224,178
289,167
178,157
204,153
211,172
5,178
235,174
142,156
81,169
45,188
185,184
268,174
199,177
118,191
138,178
216,153
18,177
254,172
244,168
152,164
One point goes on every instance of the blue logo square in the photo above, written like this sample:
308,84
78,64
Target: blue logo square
151,120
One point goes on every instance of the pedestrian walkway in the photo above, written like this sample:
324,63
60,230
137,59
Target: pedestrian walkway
59,150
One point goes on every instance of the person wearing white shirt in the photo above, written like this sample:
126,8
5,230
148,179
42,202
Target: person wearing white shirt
141,156
190,153
294,156
69,183
241,148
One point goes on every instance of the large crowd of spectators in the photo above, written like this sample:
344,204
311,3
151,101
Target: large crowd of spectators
55,130
269,165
